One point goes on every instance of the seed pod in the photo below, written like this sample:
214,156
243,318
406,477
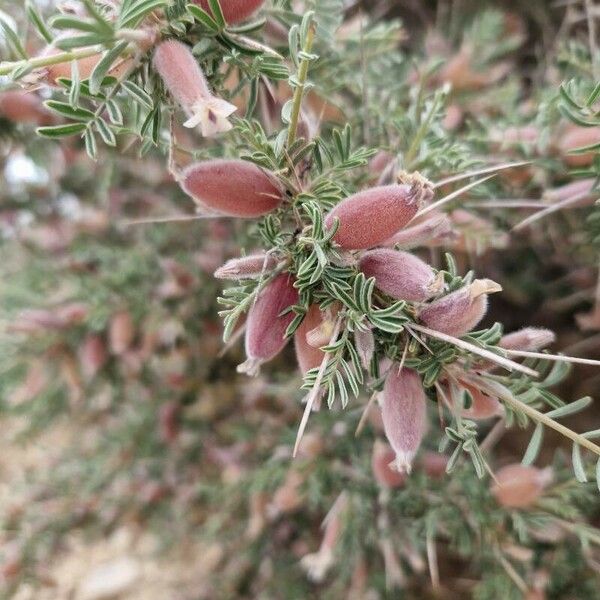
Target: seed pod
185,80
265,326
404,414
519,486
234,11
234,188
457,313
368,218
482,406
434,464
20,106
308,356
365,346
580,187
246,267
92,355
121,332
578,137
400,275
431,232
383,456
528,339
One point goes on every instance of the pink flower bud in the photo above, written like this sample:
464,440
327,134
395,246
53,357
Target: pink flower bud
121,332
234,11
400,274
234,188
185,80
404,413
431,232
519,486
457,313
383,456
365,346
92,355
265,326
368,218
246,267
528,339
308,356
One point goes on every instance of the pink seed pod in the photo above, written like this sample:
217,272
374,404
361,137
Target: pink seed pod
482,406
246,267
234,188
92,355
383,456
431,232
400,275
234,11
404,412
308,356
20,106
528,339
434,464
519,486
577,137
185,80
365,346
457,313
121,332
580,187
368,218
265,326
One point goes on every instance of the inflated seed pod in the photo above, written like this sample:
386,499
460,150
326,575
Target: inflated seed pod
308,356
265,326
185,80
577,137
368,218
234,11
519,486
528,339
246,267
400,275
234,188
404,413
580,187
457,313
482,406
382,456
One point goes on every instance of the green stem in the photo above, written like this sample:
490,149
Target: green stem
299,91
45,61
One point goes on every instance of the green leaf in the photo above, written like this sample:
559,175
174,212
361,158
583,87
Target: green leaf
133,13
12,38
102,68
105,132
578,467
70,23
203,17
66,110
36,19
217,13
58,131
138,94
533,448
90,144
570,409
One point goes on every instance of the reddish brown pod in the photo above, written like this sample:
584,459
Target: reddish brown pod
383,456
20,106
234,11
231,187
308,356
368,218
404,413
185,80
577,137
519,486
482,406
457,313
266,326
400,275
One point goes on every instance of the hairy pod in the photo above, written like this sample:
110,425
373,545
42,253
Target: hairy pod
519,486
121,332
528,339
430,232
482,406
404,412
231,187
368,218
400,275
265,326
234,11
383,456
246,267
20,106
582,188
457,313
185,80
308,356
578,137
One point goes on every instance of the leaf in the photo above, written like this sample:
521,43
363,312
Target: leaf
70,23
217,13
90,143
58,131
578,467
138,94
133,13
105,132
12,38
38,22
203,17
103,66
66,110
535,443
570,409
